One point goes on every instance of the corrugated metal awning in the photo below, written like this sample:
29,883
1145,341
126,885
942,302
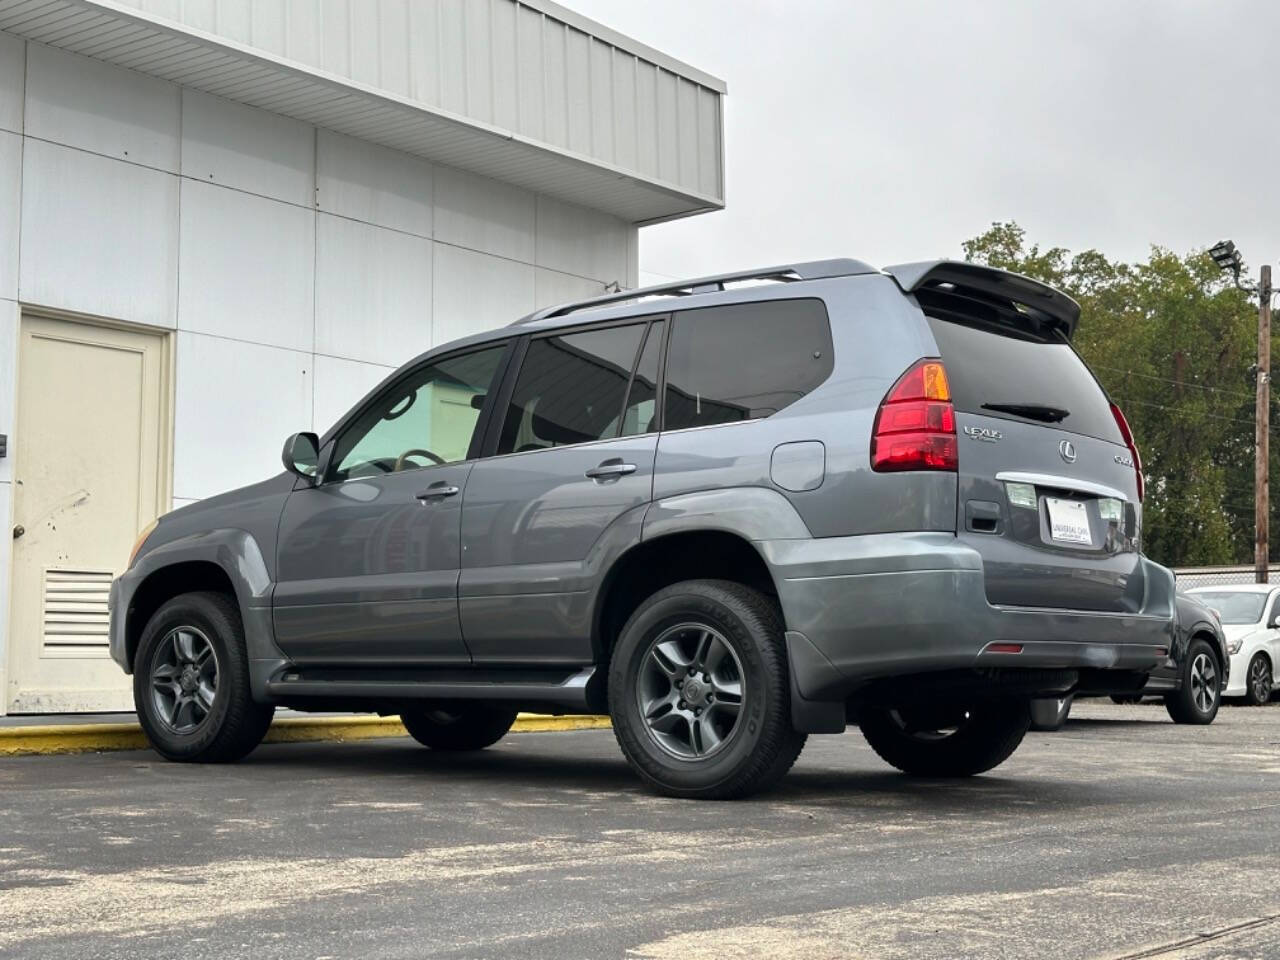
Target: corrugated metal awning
161,48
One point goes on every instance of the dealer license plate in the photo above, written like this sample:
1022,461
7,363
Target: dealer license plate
1068,521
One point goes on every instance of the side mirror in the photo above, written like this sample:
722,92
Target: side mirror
301,456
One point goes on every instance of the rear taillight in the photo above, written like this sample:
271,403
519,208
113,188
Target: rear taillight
915,427
1125,432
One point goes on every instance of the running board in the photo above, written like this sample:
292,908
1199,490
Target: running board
567,691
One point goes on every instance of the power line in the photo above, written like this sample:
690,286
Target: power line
1164,406
1176,383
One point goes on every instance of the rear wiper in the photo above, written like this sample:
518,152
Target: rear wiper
1032,411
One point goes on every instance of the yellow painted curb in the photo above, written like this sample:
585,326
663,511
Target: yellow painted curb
89,737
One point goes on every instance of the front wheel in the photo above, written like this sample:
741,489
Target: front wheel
699,692
1257,682
191,682
1196,701
947,740
459,726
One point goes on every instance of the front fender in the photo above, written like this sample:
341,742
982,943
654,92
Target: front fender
240,558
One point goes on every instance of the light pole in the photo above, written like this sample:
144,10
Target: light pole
1227,257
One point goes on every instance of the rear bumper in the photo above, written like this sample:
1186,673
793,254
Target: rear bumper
860,609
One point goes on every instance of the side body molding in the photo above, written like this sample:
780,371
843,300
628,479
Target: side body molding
237,553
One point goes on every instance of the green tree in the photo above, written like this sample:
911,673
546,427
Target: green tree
1173,344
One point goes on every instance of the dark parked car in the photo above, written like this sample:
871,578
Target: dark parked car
729,514
1193,678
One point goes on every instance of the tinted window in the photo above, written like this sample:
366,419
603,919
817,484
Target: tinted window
985,367
570,389
642,405
427,418
744,361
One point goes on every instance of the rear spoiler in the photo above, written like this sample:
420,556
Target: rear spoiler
1029,297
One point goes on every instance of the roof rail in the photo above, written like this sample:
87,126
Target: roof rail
786,273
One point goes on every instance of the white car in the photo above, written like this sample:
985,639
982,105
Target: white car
1250,614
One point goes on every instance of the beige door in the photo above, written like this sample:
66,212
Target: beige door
91,468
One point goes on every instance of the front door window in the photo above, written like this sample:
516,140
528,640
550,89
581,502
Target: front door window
426,419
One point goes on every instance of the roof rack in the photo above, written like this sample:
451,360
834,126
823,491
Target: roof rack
787,273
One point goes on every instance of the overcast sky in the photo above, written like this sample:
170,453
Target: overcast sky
892,130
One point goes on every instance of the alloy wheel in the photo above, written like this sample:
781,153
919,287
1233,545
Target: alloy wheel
1204,682
1260,680
184,679
690,691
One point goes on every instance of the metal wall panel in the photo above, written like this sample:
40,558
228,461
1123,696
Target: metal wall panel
367,182
100,108
514,64
373,292
576,240
248,267
10,216
474,291
214,408
237,146
483,214
13,66
550,287
99,236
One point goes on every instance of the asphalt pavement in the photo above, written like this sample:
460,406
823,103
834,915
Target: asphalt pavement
1121,836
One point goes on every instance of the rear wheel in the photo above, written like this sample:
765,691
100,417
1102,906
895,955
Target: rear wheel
699,694
1198,698
1257,681
459,727
932,740
1126,698
191,682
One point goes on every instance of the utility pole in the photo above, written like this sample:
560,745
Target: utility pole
1263,430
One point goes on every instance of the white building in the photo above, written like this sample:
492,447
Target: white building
222,221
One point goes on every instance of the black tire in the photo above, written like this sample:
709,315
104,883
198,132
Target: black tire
229,724
459,726
727,752
1126,698
955,741
1199,693
1258,680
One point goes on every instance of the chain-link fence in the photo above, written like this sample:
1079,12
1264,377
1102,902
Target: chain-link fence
1189,577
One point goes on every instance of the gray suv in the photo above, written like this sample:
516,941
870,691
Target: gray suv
728,512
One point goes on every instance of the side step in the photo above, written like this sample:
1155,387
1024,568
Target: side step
560,690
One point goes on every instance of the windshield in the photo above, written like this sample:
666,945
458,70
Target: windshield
1235,606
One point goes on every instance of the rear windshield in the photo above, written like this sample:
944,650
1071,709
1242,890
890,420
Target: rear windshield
1235,607
989,371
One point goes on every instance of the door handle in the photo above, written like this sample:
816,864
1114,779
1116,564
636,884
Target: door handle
437,491
611,470
18,531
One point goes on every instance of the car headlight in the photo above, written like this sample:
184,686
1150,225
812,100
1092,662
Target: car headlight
1233,646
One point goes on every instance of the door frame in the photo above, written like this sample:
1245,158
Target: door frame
164,449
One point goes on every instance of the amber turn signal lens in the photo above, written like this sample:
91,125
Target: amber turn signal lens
142,538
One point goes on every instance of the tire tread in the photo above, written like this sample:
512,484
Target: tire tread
779,745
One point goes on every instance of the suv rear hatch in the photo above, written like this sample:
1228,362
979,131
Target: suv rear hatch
1047,485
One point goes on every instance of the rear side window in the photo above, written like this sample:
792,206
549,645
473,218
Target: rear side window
571,389
744,361
994,374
